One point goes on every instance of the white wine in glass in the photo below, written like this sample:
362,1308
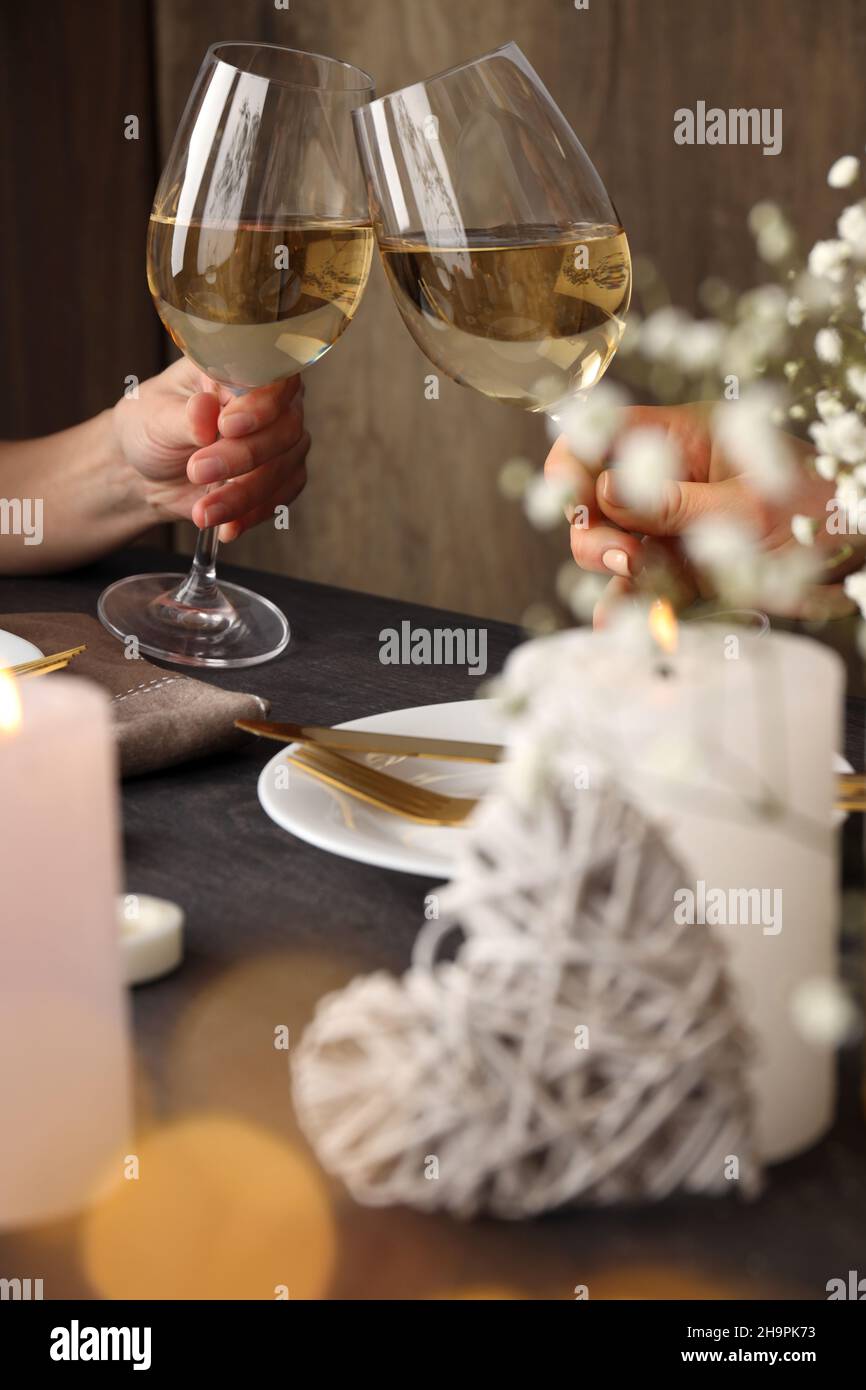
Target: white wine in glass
526,315
258,252
255,303
503,251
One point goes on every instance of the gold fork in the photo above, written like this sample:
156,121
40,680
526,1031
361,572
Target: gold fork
429,807
379,789
42,665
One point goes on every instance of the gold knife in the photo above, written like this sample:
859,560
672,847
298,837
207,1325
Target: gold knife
369,741
851,786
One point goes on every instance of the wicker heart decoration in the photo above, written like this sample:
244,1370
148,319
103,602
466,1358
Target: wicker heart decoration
580,1048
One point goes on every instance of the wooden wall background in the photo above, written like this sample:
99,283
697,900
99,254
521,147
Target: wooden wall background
402,498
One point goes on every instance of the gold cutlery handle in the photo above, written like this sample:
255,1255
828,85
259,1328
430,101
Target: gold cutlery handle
370,741
41,665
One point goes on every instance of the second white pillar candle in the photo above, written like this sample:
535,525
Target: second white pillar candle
729,745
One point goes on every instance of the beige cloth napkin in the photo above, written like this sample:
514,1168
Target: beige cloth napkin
161,717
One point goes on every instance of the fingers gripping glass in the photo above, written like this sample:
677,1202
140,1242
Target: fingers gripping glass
258,252
503,251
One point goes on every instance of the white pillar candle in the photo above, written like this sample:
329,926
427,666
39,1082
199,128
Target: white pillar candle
728,743
64,1075
151,937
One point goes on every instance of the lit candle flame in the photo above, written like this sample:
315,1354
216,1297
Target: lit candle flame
663,625
10,704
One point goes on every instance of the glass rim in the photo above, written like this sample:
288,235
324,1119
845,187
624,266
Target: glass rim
752,620
510,46
367,85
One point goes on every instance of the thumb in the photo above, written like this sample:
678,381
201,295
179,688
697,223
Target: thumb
186,422
678,505
201,413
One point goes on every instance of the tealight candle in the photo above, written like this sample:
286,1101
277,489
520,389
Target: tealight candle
151,937
64,1082
727,740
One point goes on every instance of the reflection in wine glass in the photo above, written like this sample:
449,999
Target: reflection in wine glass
503,251
258,252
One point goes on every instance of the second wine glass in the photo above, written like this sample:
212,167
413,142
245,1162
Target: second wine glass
504,253
259,249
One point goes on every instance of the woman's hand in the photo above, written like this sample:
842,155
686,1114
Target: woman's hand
613,538
170,436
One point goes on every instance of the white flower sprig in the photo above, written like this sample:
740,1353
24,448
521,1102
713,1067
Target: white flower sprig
790,352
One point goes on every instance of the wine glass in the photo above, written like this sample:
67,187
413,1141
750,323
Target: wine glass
503,251
258,252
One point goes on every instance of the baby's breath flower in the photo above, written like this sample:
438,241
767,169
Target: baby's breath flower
814,291
828,346
856,379
514,477
828,404
756,338
767,303
829,260
764,214
775,242
742,572
646,459
715,543
630,340
843,436
699,345
848,499
590,423
851,227
545,500
803,529
750,345
784,577
580,592
826,466
844,172
774,237
747,435
796,311
661,332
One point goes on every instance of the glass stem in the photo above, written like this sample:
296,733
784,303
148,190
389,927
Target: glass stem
199,589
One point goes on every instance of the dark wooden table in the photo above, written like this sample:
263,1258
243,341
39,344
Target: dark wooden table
272,924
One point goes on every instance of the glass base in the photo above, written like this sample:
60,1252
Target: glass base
235,628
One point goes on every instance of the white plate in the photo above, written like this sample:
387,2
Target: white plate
14,650
343,825
331,820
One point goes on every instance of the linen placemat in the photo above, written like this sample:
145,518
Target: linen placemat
161,717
